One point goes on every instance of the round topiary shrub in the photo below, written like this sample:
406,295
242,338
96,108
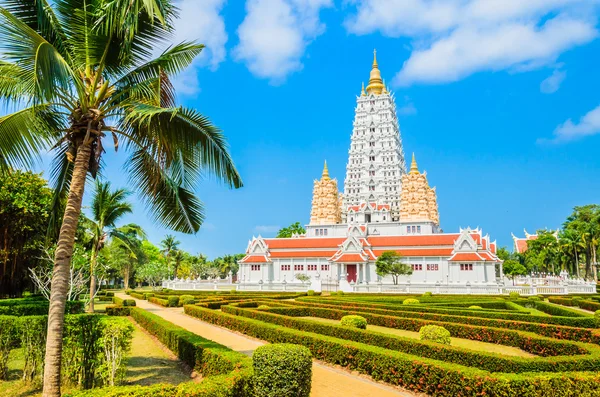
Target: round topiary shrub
428,294
597,317
354,322
187,302
474,307
263,307
282,370
435,333
173,301
185,298
310,292
534,299
514,295
410,301
340,292
233,291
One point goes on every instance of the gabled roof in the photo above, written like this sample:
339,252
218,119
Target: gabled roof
307,242
349,257
255,259
418,240
466,257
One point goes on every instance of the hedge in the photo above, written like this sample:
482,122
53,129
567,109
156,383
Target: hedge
137,295
207,357
435,333
158,301
565,326
557,310
484,330
589,305
492,362
38,308
282,370
123,302
418,374
114,310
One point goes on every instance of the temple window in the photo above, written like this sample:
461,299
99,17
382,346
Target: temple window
312,268
285,267
466,266
325,268
255,268
414,229
417,267
407,229
299,268
432,266
418,229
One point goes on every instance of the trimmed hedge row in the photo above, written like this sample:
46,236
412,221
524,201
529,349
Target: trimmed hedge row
114,310
546,329
414,373
557,310
158,301
123,302
38,308
484,330
589,305
137,295
207,357
492,362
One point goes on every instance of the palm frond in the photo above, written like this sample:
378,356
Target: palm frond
185,137
169,203
13,87
25,133
40,62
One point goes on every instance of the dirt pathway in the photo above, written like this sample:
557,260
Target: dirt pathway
326,381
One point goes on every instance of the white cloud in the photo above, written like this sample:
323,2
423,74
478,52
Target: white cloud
568,131
456,38
275,33
202,22
267,228
552,83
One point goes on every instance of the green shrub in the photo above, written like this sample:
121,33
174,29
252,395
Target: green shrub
435,333
474,307
114,310
597,318
173,301
589,305
148,295
8,340
354,321
340,293
114,344
263,307
233,291
514,295
534,298
427,294
33,342
137,295
310,292
410,301
282,369
158,301
22,308
187,299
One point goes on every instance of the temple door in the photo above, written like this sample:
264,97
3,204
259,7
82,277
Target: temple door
351,270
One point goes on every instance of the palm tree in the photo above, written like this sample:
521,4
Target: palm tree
107,208
77,71
169,246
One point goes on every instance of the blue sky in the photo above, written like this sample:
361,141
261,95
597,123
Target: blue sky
497,98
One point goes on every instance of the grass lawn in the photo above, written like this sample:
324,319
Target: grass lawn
459,342
148,363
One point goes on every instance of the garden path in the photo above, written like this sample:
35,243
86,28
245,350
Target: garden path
326,382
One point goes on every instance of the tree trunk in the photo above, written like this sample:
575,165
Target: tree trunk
60,274
93,261
577,263
126,277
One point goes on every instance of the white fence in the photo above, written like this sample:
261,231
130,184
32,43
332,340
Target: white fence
316,285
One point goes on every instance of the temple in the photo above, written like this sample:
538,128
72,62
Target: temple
383,207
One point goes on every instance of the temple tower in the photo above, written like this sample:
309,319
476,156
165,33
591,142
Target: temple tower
418,202
325,204
376,158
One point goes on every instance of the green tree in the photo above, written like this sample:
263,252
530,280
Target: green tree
512,268
542,253
390,262
153,273
107,208
585,222
169,245
78,71
287,232
125,254
25,201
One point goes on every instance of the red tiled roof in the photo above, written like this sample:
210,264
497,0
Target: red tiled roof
476,237
493,248
421,252
255,259
420,240
349,258
484,243
466,256
302,254
487,256
322,242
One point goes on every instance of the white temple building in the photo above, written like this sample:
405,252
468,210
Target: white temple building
383,208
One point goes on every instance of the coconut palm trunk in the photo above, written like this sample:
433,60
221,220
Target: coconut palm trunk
60,275
93,261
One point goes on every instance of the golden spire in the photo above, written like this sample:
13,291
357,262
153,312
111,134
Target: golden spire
413,166
325,172
362,91
375,83
385,91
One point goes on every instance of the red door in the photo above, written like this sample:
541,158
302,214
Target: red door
351,270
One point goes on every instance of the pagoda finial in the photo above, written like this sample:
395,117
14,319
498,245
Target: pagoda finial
362,91
413,166
375,83
325,171
385,91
